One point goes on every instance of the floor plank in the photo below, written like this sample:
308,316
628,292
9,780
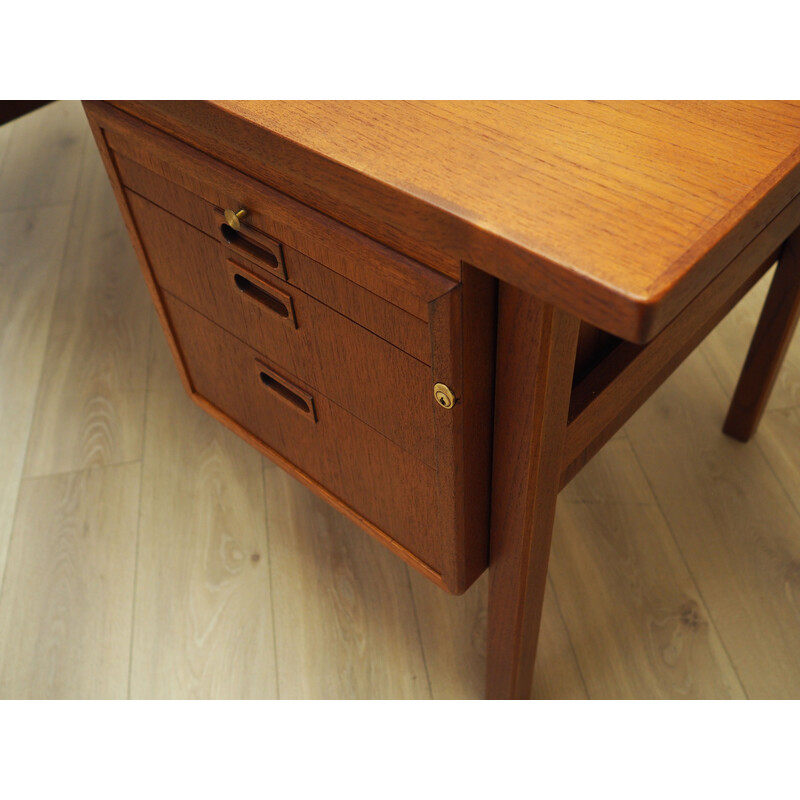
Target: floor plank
778,438
637,623
344,616
31,250
453,633
90,405
203,618
65,608
43,156
733,522
612,474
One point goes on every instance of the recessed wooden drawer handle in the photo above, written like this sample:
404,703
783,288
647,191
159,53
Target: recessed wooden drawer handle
284,390
250,242
262,294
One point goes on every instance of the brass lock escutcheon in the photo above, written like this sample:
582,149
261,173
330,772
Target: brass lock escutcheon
444,396
233,217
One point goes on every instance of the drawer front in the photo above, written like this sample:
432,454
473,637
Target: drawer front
277,259
372,475
381,385
212,187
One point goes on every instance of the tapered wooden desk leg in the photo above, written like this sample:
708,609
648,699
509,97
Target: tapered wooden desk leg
535,360
770,341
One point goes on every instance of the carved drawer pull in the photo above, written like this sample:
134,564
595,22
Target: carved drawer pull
261,293
286,391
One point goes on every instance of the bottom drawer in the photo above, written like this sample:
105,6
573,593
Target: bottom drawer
381,482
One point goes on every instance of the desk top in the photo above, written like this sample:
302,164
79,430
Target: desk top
620,212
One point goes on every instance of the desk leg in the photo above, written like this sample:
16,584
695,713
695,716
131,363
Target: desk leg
770,342
536,346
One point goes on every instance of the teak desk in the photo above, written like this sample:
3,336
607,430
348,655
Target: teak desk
434,314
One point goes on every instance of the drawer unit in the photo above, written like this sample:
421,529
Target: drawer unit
358,465
352,366
364,373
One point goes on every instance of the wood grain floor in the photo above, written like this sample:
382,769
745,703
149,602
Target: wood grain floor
146,552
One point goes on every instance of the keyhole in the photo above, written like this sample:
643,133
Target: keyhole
443,395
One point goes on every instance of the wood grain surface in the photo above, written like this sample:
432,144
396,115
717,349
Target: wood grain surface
338,367
463,344
610,474
366,471
771,340
731,511
456,662
611,551
778,440
536,346
30,259
5,137
617,386
359,258
611,540
728,343
730,517
342,360
341,600
617,212
67,600
43,157
203,582
408,332
32,241
91,401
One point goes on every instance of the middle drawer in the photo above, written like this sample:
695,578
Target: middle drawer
380,384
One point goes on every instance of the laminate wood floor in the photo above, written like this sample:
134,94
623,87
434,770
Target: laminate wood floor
147,552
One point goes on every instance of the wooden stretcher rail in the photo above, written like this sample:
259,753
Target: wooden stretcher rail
611,392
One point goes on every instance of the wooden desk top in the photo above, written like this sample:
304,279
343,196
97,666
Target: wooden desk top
619,212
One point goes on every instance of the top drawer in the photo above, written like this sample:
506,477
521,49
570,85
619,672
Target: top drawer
406,329
201,189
